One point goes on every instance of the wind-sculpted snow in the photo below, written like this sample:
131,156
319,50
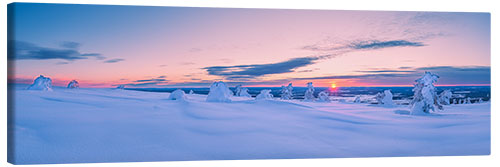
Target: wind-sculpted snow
109,125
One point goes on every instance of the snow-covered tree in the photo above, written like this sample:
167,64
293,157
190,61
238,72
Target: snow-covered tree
357,99
324,96
264,95
455,101
445,97
379,97
244,93
237,90
73,84
480,100
467,100
241,91
191,92
287,92
219,92
309,95
425,97
120,87
41,83
177,95
387,100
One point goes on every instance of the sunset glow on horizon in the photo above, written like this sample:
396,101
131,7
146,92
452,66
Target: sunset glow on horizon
193,47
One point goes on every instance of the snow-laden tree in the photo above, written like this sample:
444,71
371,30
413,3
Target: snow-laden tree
357,99
73,84
455,101
309,95
425,97
379,97
244,93
467,100
480,100
264,95
237,90
241,91
41,83
219,92
387,99
177,95
191,92
445,97
287,92
120,87
324,96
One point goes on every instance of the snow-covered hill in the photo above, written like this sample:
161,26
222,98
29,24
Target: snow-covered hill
112,125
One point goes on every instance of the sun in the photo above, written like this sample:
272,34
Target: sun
333,85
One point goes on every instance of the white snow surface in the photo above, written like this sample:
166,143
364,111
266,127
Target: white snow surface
41,83
109,125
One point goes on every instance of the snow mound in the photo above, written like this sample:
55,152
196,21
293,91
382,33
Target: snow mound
41,83
264,95
73,84
177,95
219,92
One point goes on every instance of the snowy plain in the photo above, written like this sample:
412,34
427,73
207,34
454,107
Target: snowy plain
114,125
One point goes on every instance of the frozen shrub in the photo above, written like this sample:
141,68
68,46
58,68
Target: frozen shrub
73,84
425,97
324,96
219,92
177,95
357,99
309,95
41,83
264,95
445,97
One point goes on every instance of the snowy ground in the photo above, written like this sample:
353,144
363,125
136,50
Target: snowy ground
111,125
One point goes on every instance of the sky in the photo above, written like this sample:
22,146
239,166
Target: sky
140,46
